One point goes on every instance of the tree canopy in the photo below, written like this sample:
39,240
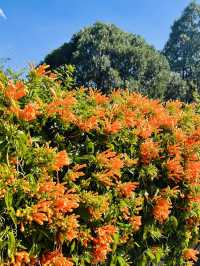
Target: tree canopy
183,47
106,57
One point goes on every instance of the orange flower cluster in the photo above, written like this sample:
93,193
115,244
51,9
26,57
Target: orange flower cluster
190,254
41,70
108,188
112,164
149,151
136,222
15,91
58,202
175,169
102,243
21,258
55,258
87,124
98,97
112,127
161,210
72,226
97,212
126,189
192,172
61,159
29,112
62,107
76,172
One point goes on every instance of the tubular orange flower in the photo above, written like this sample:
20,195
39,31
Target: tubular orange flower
61,105
66,203
72,227
102,243
29,113
39,218
15,91
161,210
55,258
126,189
149,151
98,97
112,127
144,129
105,178
130,118
76,173
54,190
85,238
136,222
190,254
192,172
110,160
21,257
61,159
175,151
41,70
175,169
89,124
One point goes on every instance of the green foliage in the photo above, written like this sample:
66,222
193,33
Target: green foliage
105,57
92,179
183,47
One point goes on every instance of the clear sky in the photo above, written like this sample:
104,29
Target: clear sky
29,29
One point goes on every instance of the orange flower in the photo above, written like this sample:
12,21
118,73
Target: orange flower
29,113
102,243
89,124
174,150
72,227
161,210
105,178
98,97
136,222
190,254
85,237
192,172
21,257
144,130
55,258
15,91
66,203
41,70
61,159
126,189
110,160
149,151
54,190
76,173
179,135
62,107
112,127
175,169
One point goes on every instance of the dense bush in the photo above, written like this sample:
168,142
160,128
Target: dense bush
92,179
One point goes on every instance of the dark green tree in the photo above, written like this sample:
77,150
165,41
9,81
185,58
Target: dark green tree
177,88
183,47
106,57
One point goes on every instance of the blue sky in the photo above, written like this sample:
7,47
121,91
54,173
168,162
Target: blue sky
33,28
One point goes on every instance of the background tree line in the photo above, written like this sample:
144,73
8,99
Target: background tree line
106,57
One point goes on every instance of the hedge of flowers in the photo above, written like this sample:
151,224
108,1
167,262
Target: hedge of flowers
92,179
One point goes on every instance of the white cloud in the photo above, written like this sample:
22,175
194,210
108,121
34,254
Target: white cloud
2,14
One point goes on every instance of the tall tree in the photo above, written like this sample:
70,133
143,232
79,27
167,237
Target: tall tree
106,57
183,47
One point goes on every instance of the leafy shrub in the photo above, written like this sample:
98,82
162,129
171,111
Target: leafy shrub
92,179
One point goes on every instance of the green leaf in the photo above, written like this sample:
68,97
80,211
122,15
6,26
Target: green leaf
11,244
